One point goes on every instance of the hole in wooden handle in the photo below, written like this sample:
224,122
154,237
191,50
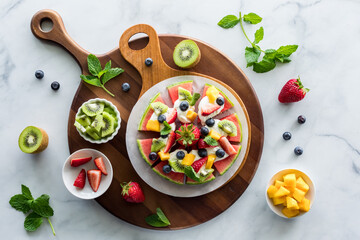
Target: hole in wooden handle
138,45
46,25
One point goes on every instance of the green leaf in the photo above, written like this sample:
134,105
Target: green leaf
107,68
32,222
251,55
162,216
259,35
20,203
287,50
228,21
155,221
190,172
41,206
264,66
166,130
283,59
252,18
111,73
210,141
194,99
270,53
26,192
94,65
91,80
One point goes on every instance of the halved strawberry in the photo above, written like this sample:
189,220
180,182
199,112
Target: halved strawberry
203,144
79,161
198,164
226,145
172,116
209,108
80,180
187,135
99,162
94,177
170,142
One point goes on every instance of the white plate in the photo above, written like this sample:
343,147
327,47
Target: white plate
144,170
70,173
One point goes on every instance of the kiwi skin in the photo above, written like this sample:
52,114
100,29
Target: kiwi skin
197,59
44,141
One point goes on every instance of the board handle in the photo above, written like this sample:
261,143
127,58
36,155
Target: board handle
57,34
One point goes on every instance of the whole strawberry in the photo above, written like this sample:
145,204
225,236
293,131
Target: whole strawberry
292,91
132,192
187,135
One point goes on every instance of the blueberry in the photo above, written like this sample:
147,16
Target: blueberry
166,169
204,131
161,118
220,153
301,119
148,62
210,122
286,135
153,156
125,87
180,155
298,151
220,101
164,136
55,85
39,74
202,152
184,105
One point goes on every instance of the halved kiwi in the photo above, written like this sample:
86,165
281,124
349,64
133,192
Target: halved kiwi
33,140
92,109
186,54
184,94
98,123
176,165
159,108
108,125
228,127
157,144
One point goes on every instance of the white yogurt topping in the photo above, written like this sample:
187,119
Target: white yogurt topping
210,151
154,116
203,102
181,115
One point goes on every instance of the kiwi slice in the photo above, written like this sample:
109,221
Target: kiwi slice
157,145
80,127
92,109
108,124
98,123
33,140
186,54
184,94
91,132
159,108
84,121
110,111
176,165
228,127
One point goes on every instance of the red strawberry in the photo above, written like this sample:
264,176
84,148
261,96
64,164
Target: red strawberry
99,162
187,135
292,91
79,161
170,142
80,180
172,116
226,145
132,192
94,177
203,144
197,164
209,108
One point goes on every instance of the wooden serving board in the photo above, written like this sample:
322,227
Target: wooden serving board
182,212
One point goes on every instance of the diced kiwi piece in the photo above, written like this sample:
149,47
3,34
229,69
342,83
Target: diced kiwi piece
80,127
110,111
186,54
98,123
176,165
157,145
33,140
92,109
108,125
91,132
84,121
159,108
228,127
184,94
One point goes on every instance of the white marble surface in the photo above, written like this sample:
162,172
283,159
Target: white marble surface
327,32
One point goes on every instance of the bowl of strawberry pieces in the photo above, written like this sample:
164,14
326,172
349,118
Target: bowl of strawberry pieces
87,173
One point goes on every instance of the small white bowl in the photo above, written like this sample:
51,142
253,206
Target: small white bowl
108,138
70,173
279,176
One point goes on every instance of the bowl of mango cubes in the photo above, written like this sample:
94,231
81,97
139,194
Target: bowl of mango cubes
290,193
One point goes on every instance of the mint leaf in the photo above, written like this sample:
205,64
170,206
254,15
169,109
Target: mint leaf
20,203
210,141
41,206
287,50
107,66
190,172
252,18
259,35
91,80
32,222
251,55
264,66
270,53
111,73
228,21
194,99
94,65
283,59
155,221
166,130
26,192
162,216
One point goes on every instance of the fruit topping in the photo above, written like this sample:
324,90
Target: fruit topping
191,115
170,142
286,135
298,151
153,156
159,107
187,135
226,145
220,153
148,62
33,140
39,74
161,118
176,165
198,164
184,105
166,169
186,54
99,162
188,159
75,162
171,117
94,177
55,85
132,192
184,94
292,91
202,152
204,131
220,101
164,156
209,108
210,122
202,144
214,134
153,125
212,93
210,161
80,179
301,119
157,145
125,87
180,155
228,127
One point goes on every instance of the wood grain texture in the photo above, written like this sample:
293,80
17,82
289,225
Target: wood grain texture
182,212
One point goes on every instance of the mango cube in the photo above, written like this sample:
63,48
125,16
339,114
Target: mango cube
290,180
304,205
301,184
279,200
210,161
291,203
281,192
298,195
214,134
271,191
290,212
191,115
188,159
164,156
153,125
212,93
278,184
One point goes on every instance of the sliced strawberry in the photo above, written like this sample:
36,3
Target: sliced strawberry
226,145
172,116
209,108
79,161
94,177
80,180
203,144
198,164
99,162
170,142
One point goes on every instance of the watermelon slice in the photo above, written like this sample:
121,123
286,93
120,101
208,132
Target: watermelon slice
234,118
174,177
148,112
173,89
145,149
223,165
228,104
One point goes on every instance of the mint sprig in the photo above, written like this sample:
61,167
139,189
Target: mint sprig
98,75
40,207
252,54
166,130
210,141
157,220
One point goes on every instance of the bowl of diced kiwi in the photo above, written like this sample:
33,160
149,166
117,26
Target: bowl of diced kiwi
97,121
